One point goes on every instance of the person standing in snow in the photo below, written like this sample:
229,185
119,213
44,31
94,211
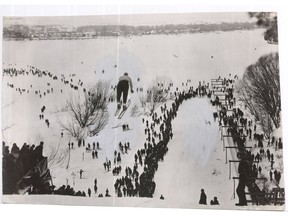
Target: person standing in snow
107,193
278,178
268,154
243,170
122,88
203,198
95,188
271,175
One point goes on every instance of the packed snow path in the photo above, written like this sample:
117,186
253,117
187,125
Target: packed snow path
194,158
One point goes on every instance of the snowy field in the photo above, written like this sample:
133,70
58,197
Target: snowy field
195,158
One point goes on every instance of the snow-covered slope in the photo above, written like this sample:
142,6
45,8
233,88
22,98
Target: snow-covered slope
195,159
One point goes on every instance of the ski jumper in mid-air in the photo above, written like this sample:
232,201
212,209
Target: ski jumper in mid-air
122,88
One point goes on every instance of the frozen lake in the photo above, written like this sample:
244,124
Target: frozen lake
196,56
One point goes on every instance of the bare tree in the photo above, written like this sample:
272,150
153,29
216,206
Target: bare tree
246,99
158,93
89,113
267,20
73,129
99,95
134,110
100,120
58,155
86,112
261,83
266,124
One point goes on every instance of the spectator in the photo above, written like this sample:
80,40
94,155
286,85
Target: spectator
214,201
203,198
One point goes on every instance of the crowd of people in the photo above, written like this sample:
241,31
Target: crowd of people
20,162
69,191
30,70
26,167
240,129
158,133
34,71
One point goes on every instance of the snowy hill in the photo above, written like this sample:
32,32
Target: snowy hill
195,158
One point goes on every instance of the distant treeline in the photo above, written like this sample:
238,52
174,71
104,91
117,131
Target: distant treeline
40,32
171,27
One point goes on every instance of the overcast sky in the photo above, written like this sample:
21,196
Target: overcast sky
139,19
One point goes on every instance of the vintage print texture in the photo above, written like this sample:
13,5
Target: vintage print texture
160,110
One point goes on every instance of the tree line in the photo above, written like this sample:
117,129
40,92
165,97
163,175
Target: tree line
18,32
259,88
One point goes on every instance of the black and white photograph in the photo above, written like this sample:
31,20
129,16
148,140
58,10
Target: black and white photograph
160,110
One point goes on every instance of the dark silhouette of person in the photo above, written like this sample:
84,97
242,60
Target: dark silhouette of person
107,193
203,198
39,151
122,88
95,188
214,201
243,170
271,175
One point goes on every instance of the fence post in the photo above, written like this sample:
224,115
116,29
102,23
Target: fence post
226,155
229,170
233,188
223,143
